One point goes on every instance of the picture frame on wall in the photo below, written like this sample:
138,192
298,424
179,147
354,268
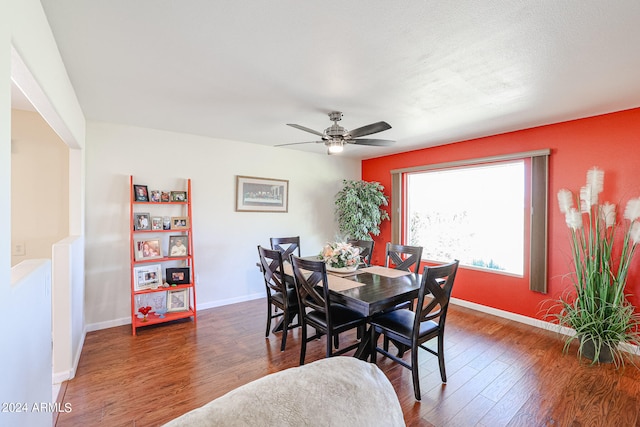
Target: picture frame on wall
147,249
178,196
141,221
178,246
255,194
179,222
178,300
178,276
140,193
147,277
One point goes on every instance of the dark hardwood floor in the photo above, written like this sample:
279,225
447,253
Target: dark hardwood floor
500,373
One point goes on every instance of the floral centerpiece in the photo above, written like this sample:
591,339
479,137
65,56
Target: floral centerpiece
597,308
340,256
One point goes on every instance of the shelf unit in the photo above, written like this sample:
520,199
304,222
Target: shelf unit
153,297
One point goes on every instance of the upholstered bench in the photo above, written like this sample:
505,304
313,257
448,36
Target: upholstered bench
338,391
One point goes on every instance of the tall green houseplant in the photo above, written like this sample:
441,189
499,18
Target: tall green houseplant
358,209
597,307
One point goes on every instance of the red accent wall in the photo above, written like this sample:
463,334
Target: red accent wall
610,142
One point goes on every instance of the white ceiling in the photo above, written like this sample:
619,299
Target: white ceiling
437,71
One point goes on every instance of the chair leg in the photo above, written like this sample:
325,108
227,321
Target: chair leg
303,345
414,373
374,344
336,341
285,324
443,372
266,334
385,344
329,340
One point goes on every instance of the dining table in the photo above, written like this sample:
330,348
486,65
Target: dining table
369,291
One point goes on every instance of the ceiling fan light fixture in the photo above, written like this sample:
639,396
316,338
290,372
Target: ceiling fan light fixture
335,147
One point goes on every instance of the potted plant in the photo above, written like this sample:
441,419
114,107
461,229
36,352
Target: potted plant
597,307
358,209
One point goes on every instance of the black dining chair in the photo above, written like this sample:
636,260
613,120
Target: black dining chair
286,245
403,257
318,311
413,329
279,295
366,250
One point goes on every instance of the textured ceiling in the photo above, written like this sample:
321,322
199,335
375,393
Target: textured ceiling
437,71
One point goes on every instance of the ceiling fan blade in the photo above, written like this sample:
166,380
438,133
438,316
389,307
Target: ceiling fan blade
306,129
369,129
377,142
297,143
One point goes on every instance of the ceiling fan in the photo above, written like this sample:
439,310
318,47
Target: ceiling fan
335,136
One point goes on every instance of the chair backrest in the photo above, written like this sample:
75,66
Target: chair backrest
402,257
437,283
366,249
312,286
286,245
272,270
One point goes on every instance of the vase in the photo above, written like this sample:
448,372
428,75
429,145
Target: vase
589,351
342,269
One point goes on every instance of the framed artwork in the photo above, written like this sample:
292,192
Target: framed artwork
147,277
156,223
140,193
147,249
178,300
261,194
164,196
166,223
179,222
178,276
154,196
178,246
178,196
141,221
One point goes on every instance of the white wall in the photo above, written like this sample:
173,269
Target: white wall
39,186
29,56
225,241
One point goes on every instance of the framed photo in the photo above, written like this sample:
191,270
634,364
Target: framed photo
164,196
179,222
261,194
156,223
178,300
166,223
147,249
154,196
178,276
147,277
140,193
178,246
141,221
178,196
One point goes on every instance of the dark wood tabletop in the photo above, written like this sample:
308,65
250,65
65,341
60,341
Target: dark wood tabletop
378,293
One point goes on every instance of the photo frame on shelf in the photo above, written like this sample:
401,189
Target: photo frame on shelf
147,277
178,300
178,246
154,196
156,223
140,193
255,194
179,222
147,249
178,276
165,196
178,196
166,223
141,221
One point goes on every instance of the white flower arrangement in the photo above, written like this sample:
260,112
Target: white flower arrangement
340,255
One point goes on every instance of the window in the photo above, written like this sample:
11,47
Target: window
534,187
473,213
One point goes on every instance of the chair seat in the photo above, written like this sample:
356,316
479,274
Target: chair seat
341,316
291,296
401,323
